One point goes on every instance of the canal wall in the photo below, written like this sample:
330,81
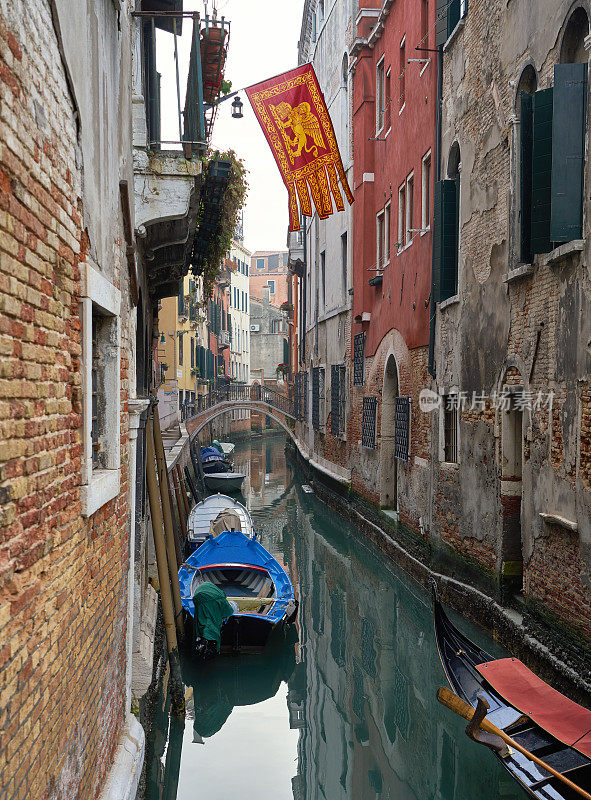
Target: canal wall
539,640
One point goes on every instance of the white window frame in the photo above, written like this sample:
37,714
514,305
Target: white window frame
271,285
409,234
401,216
402,45
380,237
380,94
426,193
387,226
99,486
388,100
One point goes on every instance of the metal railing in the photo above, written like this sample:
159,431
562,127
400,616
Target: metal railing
235,392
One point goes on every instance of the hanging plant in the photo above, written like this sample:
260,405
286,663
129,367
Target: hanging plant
219,241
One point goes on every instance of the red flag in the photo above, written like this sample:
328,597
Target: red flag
295,120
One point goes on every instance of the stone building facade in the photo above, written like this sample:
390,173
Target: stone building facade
68,331
88,203
511,456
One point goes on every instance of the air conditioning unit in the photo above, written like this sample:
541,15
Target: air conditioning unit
256,327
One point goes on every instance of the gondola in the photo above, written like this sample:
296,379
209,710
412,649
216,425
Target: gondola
532,713
224,481
248,575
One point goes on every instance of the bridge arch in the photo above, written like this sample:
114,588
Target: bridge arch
196,423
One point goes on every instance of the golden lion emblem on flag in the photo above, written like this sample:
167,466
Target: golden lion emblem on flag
295,120
303,124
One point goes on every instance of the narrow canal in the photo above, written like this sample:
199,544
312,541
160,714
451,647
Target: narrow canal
344,707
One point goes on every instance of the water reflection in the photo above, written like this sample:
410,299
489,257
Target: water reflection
346,712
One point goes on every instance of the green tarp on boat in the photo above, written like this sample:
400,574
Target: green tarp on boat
211,609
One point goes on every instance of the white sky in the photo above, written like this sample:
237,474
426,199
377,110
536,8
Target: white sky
263,42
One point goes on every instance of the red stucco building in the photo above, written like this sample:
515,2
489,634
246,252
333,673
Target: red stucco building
394,98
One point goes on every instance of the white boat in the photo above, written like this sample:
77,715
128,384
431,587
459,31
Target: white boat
224,481
227,447
206,512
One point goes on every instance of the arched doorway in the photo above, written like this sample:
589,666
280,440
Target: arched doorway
388,477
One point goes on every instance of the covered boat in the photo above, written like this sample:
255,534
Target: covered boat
224,481
213,461
204,514
251,578
537,717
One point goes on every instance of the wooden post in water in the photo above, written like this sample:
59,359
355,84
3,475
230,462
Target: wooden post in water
183,490
178,700
179,503
173,563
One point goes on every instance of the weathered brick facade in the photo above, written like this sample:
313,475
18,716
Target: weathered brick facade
63,577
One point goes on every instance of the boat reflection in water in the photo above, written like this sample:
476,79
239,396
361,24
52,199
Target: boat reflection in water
223,684
361,680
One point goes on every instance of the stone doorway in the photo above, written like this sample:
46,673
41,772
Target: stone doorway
388,472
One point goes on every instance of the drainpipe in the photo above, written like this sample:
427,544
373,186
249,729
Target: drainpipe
433,311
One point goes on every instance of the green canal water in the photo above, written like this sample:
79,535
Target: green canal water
343,707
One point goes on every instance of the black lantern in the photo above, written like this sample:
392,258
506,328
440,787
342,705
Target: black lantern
237,108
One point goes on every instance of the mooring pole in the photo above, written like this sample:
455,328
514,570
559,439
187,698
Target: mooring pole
178,700
173,563
183,490
179,503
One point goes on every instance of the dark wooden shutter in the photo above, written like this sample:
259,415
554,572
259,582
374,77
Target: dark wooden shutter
453,16
541,171
441,22
527,104
402,428
568,151
181,306
368,422
445,238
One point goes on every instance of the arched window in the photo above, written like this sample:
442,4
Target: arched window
526,88
453,161
572,50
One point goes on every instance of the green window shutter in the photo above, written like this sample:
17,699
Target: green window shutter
527,104
285,351
181,349
181,306
541,171
568,151
453,15
445,239
441,22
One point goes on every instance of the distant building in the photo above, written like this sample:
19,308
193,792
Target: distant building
239,305
268,269
268,339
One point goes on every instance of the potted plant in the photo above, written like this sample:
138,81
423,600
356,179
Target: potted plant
287,308
282,370
195,372
164,366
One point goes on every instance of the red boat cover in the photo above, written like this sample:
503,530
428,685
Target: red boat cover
552,711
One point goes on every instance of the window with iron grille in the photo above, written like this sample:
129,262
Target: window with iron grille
450,428
94,426
337,399
368,424
317,397
304,396
402,428
358,358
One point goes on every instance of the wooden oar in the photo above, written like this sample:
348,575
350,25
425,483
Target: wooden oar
455,703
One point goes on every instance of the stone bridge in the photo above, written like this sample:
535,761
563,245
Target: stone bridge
254,398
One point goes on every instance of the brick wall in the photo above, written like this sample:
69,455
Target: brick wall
62,577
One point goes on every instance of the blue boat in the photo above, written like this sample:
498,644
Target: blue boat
251,578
